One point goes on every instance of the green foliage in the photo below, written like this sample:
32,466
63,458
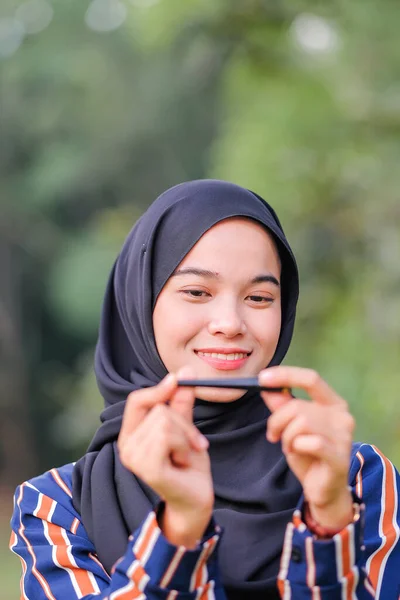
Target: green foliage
78,277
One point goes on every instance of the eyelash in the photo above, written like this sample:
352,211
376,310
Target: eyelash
199,294
195,293
262,298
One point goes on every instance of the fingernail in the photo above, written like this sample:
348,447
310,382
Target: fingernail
264,376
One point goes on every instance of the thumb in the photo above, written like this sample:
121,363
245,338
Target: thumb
182,400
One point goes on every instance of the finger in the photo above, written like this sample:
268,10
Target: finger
274,400
159,437
298,426
315,446
280,420
182,401
173,439
180,458
197,440
307,379
163,420
140,402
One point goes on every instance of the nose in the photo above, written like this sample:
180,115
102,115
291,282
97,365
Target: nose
226,319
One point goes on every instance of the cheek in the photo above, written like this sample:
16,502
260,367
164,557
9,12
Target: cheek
174,328
267,329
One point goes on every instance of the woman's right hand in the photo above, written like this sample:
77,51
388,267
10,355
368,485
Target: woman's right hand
159,443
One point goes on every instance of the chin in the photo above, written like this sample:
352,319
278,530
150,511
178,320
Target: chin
218,395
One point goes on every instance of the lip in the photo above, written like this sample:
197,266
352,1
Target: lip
221,364
224,350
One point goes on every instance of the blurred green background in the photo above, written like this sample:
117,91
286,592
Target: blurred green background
106,103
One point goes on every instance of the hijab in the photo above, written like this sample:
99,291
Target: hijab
255,491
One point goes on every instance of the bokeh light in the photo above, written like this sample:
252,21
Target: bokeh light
11,36
315,34
105,15
35,15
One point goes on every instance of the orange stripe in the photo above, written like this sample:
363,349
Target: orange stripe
296,519
75,525
81,576
359,486
387,523
133,591
369,587
42,581
138,574
60,482
45,508
350,585
200,570
13,541
208,547
172,567
130,594
281,587
141,549
347,570
137,577
204,593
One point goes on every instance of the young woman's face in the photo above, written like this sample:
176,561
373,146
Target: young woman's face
220,311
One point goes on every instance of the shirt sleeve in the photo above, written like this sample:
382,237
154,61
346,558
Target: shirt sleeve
59,561
359,563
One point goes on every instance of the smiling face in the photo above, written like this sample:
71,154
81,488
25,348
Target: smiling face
220,311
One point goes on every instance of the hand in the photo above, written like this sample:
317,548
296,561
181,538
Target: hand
160,444
316,438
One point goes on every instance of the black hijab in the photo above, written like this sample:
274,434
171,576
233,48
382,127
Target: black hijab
255,492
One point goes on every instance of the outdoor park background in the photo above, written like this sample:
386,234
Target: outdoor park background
105,103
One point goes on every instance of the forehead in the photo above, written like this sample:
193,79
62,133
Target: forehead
236,240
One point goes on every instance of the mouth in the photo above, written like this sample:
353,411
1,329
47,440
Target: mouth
224,359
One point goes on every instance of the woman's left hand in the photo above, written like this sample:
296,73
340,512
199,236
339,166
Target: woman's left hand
316,438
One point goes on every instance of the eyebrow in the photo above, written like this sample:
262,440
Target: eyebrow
265,278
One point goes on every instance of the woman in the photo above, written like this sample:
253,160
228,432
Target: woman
209,493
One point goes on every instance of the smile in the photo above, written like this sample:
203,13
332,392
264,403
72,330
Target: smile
218,355
222,359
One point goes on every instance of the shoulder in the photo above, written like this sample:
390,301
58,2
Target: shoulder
371,461
56,480
55,484
48,497
373,476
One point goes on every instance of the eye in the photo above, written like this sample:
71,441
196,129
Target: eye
258,299
195,293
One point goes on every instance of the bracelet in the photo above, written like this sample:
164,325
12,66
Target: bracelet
325,533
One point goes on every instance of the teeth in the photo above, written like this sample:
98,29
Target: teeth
231,356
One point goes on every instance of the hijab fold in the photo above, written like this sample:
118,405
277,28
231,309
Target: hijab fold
255,492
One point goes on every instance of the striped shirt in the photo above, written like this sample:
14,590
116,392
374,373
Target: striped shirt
59,561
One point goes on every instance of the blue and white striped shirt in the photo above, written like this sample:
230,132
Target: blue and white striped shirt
59,561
